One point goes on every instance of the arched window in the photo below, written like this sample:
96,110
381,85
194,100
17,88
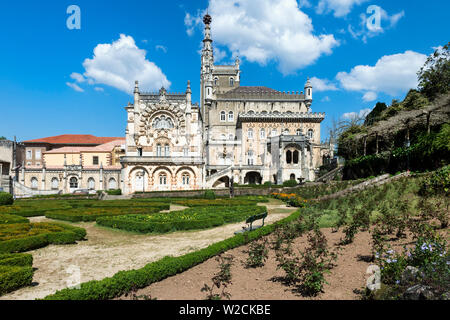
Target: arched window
310,133
286,132
223,137
274,132
289,157
262,134
34,183
292,177
163,179
91,183
295,156
299,132
250,133
55,184
167,150
158,150
112,185
216,81
163,122
231,137
223,116
186,178
73,182
231,116
231,82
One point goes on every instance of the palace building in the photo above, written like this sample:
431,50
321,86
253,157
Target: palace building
240,134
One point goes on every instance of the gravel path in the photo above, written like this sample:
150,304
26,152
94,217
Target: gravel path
109,251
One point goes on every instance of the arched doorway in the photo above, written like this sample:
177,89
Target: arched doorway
223,182
253,177
73,184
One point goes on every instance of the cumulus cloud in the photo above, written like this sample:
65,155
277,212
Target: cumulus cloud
264,31
322,85
78,77
340,8
392,74
370,96
119,64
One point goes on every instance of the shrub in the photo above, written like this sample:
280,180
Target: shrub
220,279
92,214
290,184
116,192
15,271
216,203
124,281
29,236
189,219
210,195
6,199
10,219
257,254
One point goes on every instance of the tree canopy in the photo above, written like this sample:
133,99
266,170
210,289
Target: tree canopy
434,76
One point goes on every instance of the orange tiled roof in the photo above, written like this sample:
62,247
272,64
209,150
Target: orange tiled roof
75,139
105,147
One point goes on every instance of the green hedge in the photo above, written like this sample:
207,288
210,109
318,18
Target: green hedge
216,203
116,192
29,236
124,281
92,214
15,271
10,219
6,199
189,219
290,184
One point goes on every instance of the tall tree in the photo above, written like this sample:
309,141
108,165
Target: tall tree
434,76
375,114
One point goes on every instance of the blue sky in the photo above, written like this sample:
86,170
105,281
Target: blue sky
52,84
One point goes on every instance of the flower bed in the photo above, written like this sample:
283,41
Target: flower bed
92,214
189,219
15,271
292,199
29,236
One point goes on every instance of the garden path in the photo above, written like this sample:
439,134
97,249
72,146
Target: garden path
109,251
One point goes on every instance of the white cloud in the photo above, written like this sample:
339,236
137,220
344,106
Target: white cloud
78,77
322,85
264,31
191,22
219,55
326,99
392,74
161,48
358,115
370,96
74,86
99,89
340,8
120,64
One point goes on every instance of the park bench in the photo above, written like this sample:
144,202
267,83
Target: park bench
252,219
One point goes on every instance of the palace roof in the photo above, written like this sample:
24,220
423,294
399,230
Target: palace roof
74,139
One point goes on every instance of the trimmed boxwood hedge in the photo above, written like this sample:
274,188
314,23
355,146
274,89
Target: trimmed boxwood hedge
92,214
15,271
10,219
6,199
216,203
29,236
124,281
189,219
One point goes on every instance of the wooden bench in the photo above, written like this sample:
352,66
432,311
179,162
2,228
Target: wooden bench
250,221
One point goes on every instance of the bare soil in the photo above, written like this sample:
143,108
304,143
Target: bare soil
265,283
108,251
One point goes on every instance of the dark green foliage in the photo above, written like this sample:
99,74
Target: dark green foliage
257,254
219,202
374,115
290,183
125,281
6,199
189,219
222,279
116,192
15,271
437,184
210,195
434,77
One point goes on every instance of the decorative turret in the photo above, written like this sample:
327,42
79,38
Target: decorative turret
136,94
308,94
188,97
